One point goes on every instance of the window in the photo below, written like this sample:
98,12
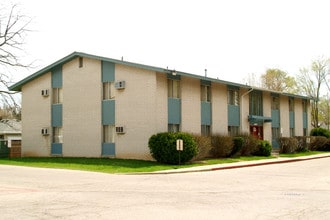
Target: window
173,127
205,93
275,103
108,133
206,130
275,133
108,90
57,135
57,95
256,103
233,131
233,97
173,88
291,104
81,62
304,105
292,132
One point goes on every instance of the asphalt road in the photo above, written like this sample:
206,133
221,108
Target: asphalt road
299,190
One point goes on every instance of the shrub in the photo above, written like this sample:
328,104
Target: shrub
264,149
203,146
238,144
222,145
303,146
320,132
288,145
163,147
320,143
250,145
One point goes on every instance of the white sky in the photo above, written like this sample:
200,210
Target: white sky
229,38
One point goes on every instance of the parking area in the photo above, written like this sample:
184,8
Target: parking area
299,190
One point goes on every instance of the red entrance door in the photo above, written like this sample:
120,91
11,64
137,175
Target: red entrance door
257,131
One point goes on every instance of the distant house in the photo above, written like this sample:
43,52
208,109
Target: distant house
10,129
89,106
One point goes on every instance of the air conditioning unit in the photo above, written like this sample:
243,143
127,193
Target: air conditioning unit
45,131
120,85
120,130
45,92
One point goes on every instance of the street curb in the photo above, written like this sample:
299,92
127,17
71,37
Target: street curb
231,167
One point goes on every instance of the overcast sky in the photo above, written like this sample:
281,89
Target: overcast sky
229,38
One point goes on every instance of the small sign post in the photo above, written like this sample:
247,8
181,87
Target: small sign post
179,147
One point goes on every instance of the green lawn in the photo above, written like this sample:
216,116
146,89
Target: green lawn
300,154
107,165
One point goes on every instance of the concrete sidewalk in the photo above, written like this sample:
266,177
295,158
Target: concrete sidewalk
242,164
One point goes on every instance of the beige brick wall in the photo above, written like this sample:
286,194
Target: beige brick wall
161,103
190,105
137,109
219,109
82,108
36,114
244,110
298,117
267,111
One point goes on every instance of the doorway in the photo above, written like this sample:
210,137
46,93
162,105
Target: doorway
257,131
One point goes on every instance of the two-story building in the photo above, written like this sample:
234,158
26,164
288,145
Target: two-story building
89,106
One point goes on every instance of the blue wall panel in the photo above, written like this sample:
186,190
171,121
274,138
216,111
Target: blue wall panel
57,77
57,115
233,115
174,111
275,118
56,149
108,72
206,113
108,112
108,149
291,118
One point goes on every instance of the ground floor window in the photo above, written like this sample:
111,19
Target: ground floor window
173,127
275,133
305,132
57,135
233,130
108,133
206,130
292,134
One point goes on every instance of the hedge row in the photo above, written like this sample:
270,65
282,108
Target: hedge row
222,146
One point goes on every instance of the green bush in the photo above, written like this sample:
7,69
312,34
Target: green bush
264,149
238,144
303,146
250,145
222,146
320,132
163,147
203,146
320,143
288,145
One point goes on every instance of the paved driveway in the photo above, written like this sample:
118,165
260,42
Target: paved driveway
299,190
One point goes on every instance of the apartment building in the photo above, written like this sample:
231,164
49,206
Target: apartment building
90,106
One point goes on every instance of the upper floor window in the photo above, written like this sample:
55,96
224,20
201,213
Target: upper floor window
275,103
256,107
304,105
173,88
108,90
291,104
57,95
233,96
205,93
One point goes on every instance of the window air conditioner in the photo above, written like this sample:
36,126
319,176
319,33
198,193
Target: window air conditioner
45,92
45,131
120,130
120,85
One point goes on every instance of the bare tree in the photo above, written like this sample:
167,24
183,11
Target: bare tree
13,30
311,80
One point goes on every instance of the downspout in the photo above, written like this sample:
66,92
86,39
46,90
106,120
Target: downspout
241,115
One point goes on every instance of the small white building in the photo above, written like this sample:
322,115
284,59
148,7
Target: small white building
10,129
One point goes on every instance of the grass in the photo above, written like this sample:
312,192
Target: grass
301,154
107,165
